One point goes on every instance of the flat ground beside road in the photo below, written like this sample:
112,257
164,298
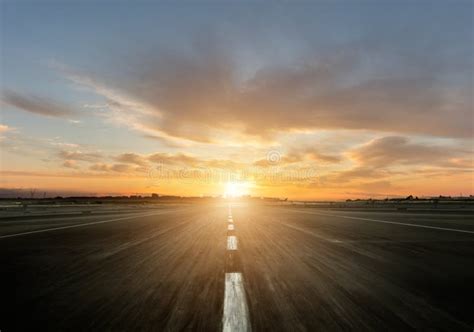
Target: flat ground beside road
302,269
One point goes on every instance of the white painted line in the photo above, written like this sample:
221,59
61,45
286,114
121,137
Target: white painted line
392,222
230,227
311,233
78,225
232,242
236,312
231,220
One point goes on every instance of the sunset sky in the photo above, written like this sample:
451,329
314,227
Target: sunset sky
323,100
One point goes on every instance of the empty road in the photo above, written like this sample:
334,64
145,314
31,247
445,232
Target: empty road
214,267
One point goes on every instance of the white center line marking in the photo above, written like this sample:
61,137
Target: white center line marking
78,225
230,227
236,313
231,220
232,242
392,222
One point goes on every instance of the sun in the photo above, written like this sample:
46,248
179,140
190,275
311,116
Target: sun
236,189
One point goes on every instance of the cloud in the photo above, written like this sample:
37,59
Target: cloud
174,159
119,168
375,186
132,158
70,164
101,167
293,156
358,173
395,159
177,160
321,157
79,155
58,174
122,168
202,94
4,128
397,150
37,105
4,132
64,144
224,164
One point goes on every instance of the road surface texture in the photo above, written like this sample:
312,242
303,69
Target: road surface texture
211,267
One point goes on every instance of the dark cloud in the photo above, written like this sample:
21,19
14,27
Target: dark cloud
37,105
191,94
396,150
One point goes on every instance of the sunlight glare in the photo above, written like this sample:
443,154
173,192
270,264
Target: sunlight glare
236,189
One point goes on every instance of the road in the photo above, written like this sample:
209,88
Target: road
211,267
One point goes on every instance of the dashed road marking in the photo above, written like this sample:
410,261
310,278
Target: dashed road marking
230,227
236,313
232,242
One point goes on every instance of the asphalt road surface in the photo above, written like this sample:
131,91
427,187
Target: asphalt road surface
212,267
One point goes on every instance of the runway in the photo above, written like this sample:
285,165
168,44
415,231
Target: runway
238,267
